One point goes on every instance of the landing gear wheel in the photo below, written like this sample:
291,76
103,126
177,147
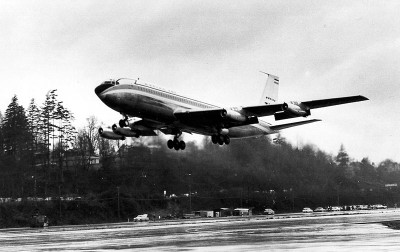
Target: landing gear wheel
227,140
176,144
220,140
214,139
170,144
182,145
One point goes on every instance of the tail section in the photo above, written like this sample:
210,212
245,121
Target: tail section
270,93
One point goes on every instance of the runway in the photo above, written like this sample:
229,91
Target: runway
300,232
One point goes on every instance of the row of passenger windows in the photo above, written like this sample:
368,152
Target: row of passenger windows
172,97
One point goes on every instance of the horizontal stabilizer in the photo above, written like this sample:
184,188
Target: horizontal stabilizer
289,125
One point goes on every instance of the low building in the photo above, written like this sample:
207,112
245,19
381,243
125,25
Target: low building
223,212
204,213
243,212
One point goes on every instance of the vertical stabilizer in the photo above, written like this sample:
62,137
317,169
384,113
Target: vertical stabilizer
270,93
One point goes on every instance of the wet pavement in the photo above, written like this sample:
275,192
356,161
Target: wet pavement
300,232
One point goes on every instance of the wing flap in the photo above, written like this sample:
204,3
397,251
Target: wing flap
284,115
289,125
262,110
199,116
214,118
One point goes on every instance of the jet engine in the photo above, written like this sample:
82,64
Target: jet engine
233,115
110,135
296,109
127,132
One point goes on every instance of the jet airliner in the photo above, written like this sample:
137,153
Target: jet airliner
158,110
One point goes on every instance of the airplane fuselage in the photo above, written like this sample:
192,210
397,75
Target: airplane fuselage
157,105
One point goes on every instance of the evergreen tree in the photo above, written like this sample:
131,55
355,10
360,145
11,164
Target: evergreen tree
66,132
367,170
47,117
1,142
16,139
33,119
15,130
342,161
1,136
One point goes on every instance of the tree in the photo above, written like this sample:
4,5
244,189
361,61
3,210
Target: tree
1,142
106,152
86,141
33,119
16,139
47,117
367,170
1,136
15,131
342,161
66,132
56,130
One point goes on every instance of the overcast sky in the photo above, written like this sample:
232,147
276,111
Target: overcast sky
212,51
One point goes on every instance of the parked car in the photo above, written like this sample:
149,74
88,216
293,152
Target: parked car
319,209
269,211
335,208
362,207
307,210
379,206
141,217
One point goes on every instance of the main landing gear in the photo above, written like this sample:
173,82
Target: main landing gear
220,139
176,144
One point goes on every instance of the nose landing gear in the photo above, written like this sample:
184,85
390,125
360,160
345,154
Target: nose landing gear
124,122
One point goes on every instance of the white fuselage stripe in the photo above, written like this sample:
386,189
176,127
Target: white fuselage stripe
170,98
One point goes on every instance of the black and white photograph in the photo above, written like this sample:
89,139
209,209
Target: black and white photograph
188,125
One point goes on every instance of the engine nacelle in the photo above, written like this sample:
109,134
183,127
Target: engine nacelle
127,132
296,109
233,115
110,135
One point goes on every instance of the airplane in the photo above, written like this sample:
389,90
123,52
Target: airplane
160,110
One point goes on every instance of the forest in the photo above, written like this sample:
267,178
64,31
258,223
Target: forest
144,176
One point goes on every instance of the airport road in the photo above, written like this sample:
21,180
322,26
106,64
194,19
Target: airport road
359,231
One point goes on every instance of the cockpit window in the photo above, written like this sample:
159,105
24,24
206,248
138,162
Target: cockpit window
112,82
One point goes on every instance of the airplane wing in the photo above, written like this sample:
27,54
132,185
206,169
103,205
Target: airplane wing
334,101
272,109
289,125
263,110
199,115
213,116
146,127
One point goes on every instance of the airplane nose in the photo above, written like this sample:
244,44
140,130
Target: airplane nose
104,86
